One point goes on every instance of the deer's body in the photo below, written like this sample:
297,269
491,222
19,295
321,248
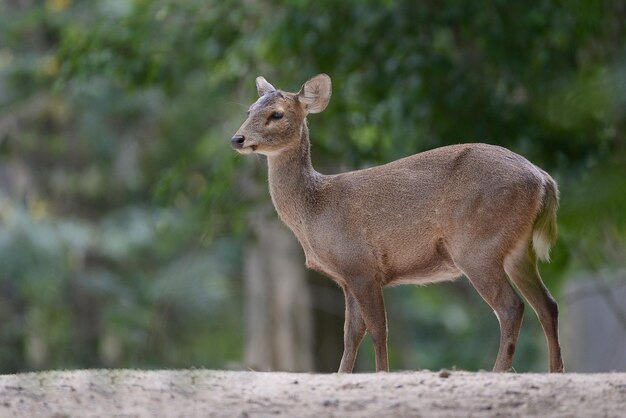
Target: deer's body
471,209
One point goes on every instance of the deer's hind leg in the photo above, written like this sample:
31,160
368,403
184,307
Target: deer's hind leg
521,266
489,279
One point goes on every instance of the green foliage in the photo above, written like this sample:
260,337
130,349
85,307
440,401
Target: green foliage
125,275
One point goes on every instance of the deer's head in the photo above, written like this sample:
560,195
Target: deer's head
275,121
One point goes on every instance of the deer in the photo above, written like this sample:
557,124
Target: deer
474,210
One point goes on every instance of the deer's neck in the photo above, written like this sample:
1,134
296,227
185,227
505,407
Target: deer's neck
293,182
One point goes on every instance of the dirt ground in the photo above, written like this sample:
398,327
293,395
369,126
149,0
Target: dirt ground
208,393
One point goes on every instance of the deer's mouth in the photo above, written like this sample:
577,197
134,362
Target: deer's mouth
247,150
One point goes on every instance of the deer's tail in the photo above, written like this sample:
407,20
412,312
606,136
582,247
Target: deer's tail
545,230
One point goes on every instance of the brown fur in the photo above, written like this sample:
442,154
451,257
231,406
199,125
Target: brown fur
467,209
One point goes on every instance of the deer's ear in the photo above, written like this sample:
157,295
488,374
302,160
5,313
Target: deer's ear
315,93
263,87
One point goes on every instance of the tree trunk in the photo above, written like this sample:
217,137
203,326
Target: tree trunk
328,313
594,325
278,302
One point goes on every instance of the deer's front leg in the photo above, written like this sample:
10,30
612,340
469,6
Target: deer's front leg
353,332
369,296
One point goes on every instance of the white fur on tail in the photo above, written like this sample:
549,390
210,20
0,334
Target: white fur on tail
545,229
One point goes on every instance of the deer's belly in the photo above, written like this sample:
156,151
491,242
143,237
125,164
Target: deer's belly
423,278
421,275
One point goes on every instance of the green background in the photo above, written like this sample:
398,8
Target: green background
123,228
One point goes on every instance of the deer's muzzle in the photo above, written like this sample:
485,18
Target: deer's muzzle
237,141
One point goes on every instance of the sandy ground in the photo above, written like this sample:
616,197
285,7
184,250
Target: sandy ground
208,393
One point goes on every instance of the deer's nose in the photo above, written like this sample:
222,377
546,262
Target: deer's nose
237,141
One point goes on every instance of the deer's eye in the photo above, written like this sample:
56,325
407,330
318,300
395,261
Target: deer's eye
277,115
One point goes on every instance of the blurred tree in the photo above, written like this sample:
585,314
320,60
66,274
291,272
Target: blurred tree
278,305
94,269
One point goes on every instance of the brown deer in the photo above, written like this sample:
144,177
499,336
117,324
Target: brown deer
470,209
